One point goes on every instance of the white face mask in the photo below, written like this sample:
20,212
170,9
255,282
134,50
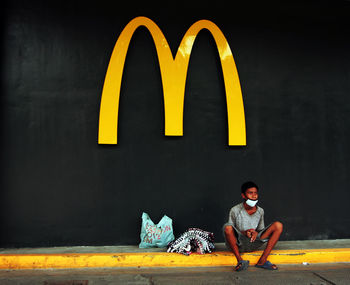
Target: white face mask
251,203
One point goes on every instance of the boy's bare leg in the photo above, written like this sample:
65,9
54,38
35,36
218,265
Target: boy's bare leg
231,239
273,233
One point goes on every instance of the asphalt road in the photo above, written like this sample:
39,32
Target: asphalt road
287,274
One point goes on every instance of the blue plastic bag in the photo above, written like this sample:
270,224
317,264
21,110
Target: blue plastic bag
156,235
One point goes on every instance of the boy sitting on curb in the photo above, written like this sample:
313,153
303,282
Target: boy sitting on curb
245,230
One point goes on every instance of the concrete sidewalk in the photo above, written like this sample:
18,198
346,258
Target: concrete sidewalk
286,252
317,274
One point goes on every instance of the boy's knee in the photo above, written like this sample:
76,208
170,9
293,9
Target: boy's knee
278,226
228,230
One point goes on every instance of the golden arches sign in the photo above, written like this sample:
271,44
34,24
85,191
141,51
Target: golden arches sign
174,73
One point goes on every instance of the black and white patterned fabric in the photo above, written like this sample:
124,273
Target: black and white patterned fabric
193,240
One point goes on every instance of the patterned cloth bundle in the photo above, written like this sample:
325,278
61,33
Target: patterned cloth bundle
193,240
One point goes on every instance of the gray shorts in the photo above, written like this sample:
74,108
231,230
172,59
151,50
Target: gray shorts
243,242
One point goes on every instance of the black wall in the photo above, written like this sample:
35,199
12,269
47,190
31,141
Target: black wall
59,187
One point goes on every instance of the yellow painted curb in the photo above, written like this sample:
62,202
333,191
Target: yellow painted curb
164,259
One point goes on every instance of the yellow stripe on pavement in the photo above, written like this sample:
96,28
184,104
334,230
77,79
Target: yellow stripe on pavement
164,259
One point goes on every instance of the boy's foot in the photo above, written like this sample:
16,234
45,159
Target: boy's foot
242,265
267,265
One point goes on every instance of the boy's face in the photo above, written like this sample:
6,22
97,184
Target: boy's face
251,193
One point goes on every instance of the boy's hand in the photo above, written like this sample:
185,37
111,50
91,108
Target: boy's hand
249,232
253,236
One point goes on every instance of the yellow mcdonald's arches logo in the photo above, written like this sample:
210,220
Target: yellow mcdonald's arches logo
173,73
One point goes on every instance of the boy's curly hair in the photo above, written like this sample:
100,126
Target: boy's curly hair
247,185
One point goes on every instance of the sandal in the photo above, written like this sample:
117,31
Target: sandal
242,265
267,265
